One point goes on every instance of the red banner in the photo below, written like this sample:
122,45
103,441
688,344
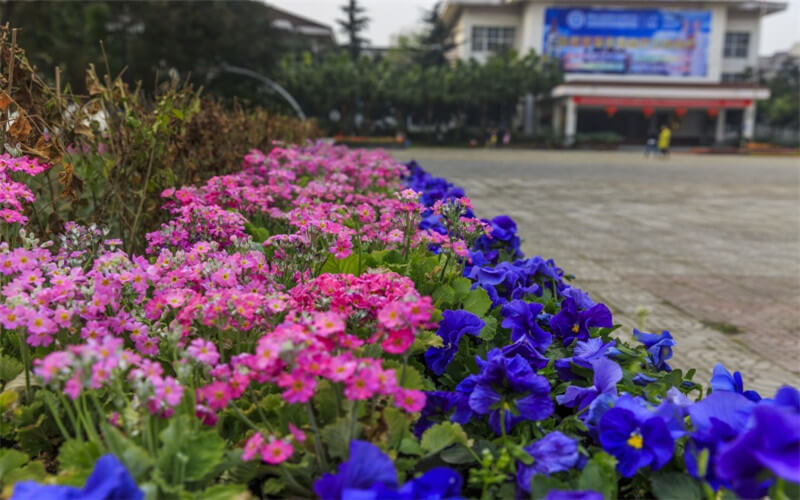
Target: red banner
644,102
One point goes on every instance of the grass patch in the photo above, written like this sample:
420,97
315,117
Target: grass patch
721,326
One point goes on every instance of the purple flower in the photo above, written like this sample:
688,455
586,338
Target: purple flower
370,474
436,403
508,388
606,375
520,318
571,323
573,495
525,348
109,480
453,326
771,444
659,347
635,436
584,353
553,453
580,297
723,380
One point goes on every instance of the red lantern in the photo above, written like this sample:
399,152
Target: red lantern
648,111
680,111
712,112
611,110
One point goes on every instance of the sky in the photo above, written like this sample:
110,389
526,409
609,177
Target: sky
390,17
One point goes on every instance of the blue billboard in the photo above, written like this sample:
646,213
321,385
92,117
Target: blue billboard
671,43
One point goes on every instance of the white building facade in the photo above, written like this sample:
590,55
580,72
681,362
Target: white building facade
629,66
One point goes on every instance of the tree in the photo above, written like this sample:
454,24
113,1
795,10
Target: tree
185,39
353,25
436,40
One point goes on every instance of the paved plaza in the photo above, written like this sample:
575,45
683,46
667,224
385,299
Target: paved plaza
709,244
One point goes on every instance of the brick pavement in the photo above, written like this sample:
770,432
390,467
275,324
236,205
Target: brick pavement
711,245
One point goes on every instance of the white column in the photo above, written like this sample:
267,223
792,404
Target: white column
558,119
571,125
528,115
719,131
749,121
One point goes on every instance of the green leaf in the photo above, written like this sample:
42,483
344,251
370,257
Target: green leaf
410,446
224,492
348,265
134,457
194,453
10,460
397,425
79,455
33,471
9,368
477,302
541,485
7,400
490,329
413,378
600,475
273,486
461,287
442,435
337,437
444,296
676,486
457,455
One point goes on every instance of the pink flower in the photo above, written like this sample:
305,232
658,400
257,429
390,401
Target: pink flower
398,341
11,318
328,323
391,315
411,400
341,368
276,451
203,351
299,387
52,364
39,322
168,389
252,447
73,386
206,415
362,386
62,317
217,394
298,434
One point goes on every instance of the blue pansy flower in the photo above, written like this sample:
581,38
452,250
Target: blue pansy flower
659,347
580,297
571,323
769,447
635,436
716,420
520,318
525,348
370,474
553,453
109,481
723,380
584,353
606,375
453,326
508,388
643,380
573,495
788,397
437,403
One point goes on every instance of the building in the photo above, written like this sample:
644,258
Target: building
769,66
299,33
630,66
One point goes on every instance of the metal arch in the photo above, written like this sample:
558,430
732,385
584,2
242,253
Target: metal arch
227,68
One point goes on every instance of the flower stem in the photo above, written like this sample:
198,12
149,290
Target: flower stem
353,424
323,465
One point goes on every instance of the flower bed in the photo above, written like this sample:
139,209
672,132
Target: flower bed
328,322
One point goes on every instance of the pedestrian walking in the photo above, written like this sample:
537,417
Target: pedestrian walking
651,146
664,138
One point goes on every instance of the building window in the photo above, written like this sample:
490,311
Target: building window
492,38
734,77
736,44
